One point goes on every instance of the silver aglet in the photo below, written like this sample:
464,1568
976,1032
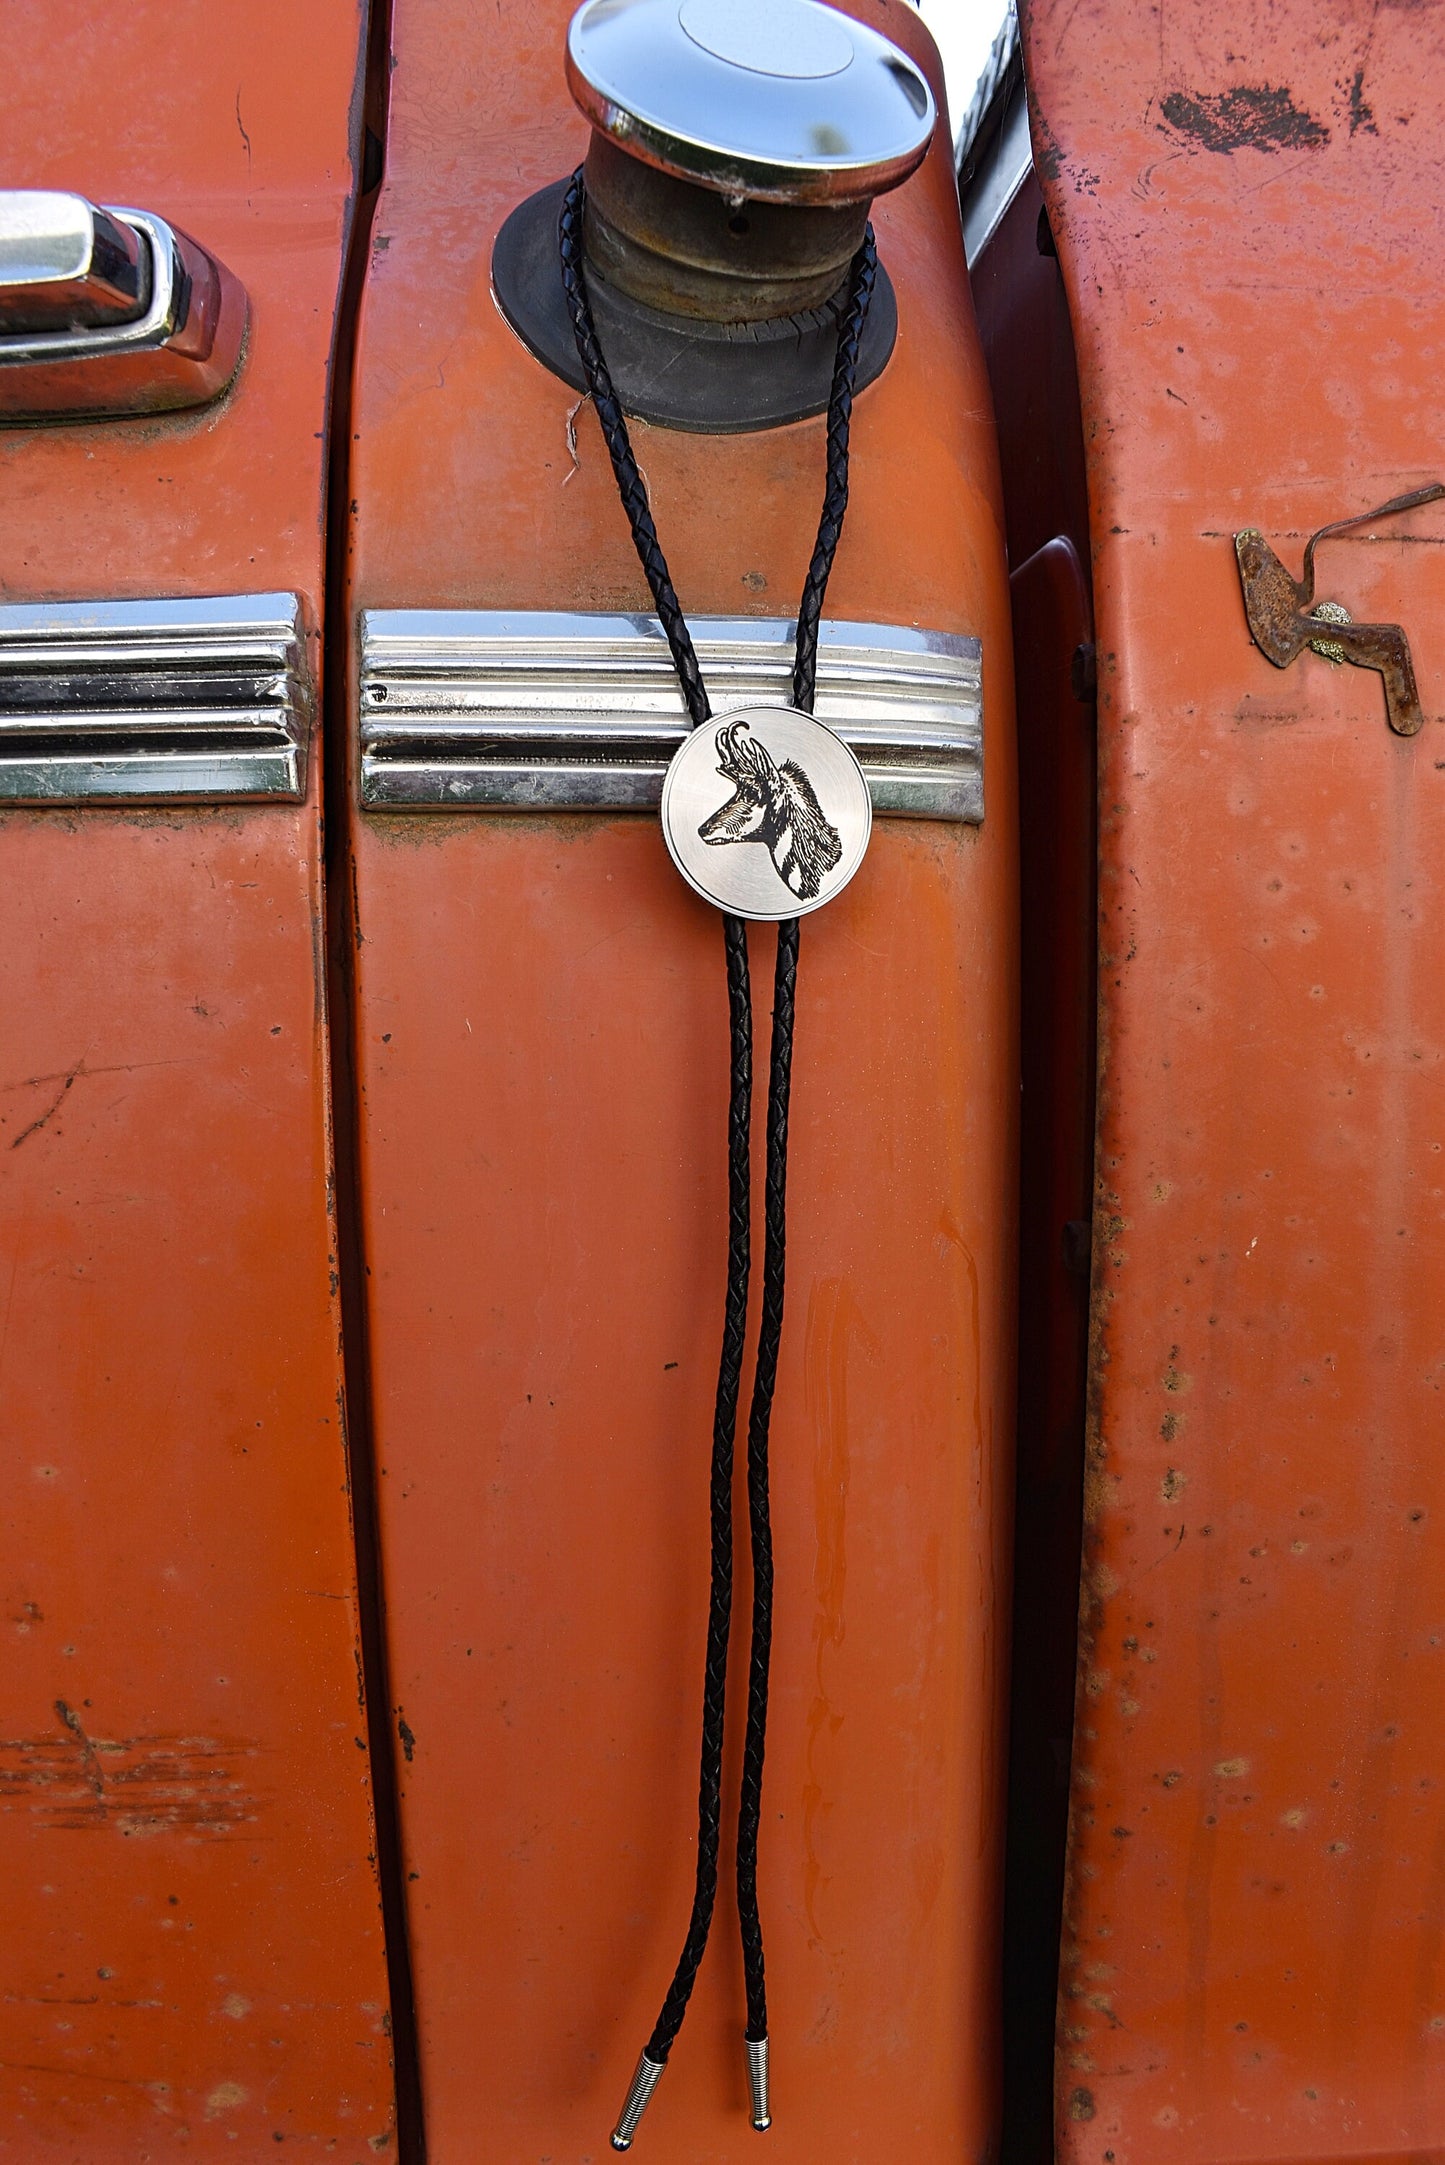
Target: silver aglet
644,2082
758,2082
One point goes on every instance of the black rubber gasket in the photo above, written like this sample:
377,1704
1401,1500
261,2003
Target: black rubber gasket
706,378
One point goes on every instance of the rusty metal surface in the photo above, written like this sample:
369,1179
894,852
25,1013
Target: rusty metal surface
1024,327
192,1958
541,1053
690,250
1284,616
1247,208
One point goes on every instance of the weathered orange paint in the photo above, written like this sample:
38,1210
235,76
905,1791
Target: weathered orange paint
1258,1850
542,1054
193,1959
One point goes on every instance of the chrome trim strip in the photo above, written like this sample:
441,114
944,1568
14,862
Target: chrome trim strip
1001,174
153,701
530,710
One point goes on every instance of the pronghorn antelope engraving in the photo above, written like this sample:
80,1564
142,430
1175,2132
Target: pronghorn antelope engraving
774,805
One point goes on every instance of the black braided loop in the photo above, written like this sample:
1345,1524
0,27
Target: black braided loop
619,448
750,1804
750,1801
835,496
674,624
740,1022
715,1669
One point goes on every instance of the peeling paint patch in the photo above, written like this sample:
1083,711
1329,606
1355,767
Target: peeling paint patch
224,2098
1249,117
134,1786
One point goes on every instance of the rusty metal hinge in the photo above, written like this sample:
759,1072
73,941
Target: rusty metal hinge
1284,617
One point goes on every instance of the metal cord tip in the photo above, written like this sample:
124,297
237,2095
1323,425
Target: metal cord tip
757,2052
644,2082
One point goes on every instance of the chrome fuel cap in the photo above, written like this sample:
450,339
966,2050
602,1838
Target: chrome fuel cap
781,101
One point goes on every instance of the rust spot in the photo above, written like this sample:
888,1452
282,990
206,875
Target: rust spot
1174,1378
1081,2104
1249,117
1362,116
132,1785
88,1761
1048,154
1173,1482
408,1741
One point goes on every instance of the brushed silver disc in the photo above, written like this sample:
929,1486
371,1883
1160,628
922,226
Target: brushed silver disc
765,812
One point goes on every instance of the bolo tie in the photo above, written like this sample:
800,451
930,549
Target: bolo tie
766,813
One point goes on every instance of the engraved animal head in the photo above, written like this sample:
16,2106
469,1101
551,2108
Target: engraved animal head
774,805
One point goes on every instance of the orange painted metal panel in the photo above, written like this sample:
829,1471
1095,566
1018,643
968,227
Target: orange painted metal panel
542,1054
1247,211
193,1947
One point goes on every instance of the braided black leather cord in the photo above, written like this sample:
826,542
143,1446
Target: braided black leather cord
725,1411
644,534
863,277
780,1065
765,1376
619,450
740,1025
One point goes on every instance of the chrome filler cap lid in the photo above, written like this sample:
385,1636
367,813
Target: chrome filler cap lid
785,101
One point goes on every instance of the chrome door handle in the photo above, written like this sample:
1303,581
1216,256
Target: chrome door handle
66,266
108,311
